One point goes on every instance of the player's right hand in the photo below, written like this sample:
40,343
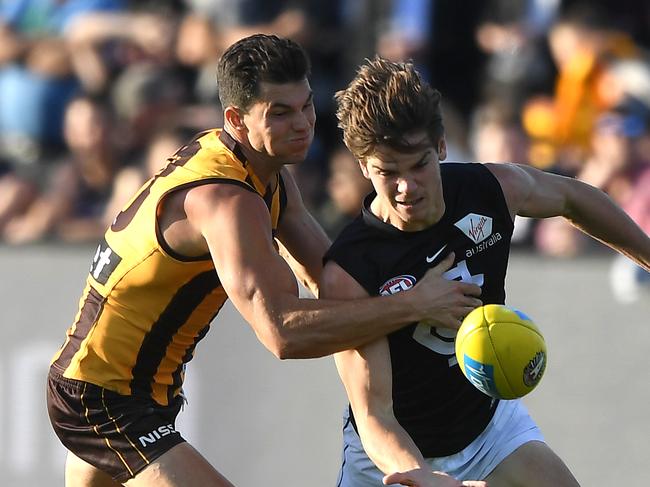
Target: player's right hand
444,303
420,477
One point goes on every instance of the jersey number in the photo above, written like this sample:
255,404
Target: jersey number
441,340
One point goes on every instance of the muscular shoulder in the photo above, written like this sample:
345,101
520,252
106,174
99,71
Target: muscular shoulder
514,181
185,214
209,202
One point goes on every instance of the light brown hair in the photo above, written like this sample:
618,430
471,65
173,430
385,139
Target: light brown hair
385,102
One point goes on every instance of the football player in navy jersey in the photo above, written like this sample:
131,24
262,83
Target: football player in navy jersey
413,418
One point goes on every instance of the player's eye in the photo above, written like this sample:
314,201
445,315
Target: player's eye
423,162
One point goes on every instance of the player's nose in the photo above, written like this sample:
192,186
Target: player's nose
406,185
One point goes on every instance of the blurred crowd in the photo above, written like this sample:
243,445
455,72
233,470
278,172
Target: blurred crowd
96,94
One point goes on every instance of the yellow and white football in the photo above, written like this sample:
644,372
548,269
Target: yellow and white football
501,351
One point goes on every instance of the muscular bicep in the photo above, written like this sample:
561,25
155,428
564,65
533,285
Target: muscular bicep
237,229
365,372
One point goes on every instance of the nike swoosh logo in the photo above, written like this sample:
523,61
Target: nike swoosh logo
433,257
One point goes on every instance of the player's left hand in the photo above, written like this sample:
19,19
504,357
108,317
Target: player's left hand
420,477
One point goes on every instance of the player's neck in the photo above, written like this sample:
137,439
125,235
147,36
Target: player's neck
404,221
265,168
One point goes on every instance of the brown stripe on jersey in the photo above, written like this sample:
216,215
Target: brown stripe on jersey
176,376
268,197
173,317
233,146
283,196
91,309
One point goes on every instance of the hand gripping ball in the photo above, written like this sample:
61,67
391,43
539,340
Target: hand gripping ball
501,351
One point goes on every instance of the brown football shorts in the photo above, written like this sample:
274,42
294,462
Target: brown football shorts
118,434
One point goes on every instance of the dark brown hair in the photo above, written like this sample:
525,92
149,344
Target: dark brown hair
385,102
255,59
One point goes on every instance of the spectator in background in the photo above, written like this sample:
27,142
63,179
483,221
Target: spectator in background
346,188
406,32
513,35
104,44
37,79
176,50
630,282
72,203
583,45
497,136
147,98
130,178
36,72
615,163
436,34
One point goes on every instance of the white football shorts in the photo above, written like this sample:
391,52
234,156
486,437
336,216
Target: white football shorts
510,427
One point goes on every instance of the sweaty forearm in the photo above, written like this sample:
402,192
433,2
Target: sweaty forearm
593,212
315,328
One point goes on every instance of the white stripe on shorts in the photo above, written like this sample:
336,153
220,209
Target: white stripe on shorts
510,427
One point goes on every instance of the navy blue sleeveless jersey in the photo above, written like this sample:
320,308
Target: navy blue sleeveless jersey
432,400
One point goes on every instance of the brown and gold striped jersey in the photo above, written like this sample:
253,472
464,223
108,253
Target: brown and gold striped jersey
144,307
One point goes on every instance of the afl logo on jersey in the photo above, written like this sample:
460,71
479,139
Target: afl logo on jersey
397,285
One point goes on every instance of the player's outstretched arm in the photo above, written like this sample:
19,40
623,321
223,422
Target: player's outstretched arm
366,373
236,226
538,194
306,243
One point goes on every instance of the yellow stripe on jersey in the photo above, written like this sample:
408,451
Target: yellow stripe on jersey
144,307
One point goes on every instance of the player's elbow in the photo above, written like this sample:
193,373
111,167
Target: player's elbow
287,336
281,349
287,343
280,343
275,343
293,348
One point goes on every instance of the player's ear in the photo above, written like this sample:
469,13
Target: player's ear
234,118
442,149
